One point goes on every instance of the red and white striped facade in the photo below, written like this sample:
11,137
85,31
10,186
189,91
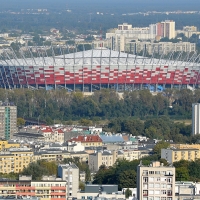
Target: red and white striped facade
98,66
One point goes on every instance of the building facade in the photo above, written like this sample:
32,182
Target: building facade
195,118
174,155
159,48
43,190
70,174
155,182
8,120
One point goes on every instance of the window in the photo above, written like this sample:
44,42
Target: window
145,192
151,192
145,179
157,192
163,185
157,185
151,185
163,192
151,179
157,172
151,172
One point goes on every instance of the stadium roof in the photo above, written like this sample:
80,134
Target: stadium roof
100,56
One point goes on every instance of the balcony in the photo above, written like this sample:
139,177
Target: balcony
58,188
58,193
25,193
25,188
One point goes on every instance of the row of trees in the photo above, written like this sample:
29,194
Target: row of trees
154,128
104,104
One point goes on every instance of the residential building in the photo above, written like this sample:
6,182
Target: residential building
101,192
151,47
87,140
44,190
166,29
188,31
75,147
195,118
106,158
174,155
185,146
82,176
155,182
52,135
70,174
15,160
4,144
8,120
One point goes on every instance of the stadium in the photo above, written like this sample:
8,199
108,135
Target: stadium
96,69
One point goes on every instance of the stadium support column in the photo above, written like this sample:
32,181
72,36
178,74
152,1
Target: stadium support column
91,69
83,66
100,67
118,71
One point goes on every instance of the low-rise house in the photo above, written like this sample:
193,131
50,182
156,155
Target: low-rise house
75,147
87,140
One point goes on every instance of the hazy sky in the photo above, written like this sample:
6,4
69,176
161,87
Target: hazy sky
103,4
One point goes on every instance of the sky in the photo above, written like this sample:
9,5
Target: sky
107,5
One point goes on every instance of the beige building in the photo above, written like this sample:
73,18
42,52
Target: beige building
159,47
108,158
174,155
52,135
188,31
4,144
185,146
8,120
155,182
15,160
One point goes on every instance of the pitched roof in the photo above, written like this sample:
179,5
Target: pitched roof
86,138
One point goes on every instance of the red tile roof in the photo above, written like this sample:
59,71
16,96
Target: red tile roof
86,138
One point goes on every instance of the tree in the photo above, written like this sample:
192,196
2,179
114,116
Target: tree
20,122
160,145
127,179
81,186
182,174
128,193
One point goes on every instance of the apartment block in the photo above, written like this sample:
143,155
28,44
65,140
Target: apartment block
8,120
70,174
185,146
4,145
155,182
43,190
108,158
174,155
15,160
159,47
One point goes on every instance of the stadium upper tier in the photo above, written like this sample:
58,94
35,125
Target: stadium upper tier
97,66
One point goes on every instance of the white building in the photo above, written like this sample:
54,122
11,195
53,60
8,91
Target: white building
75,147
155,182
70,173
195,118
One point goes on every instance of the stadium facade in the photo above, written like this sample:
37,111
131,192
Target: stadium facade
98,68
